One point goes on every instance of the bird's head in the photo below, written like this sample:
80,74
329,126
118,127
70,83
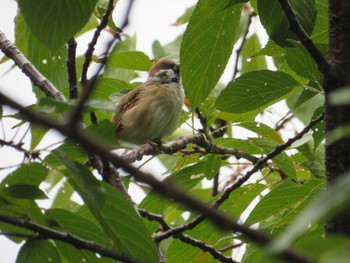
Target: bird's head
165,71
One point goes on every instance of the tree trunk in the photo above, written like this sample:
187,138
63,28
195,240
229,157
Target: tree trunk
338,154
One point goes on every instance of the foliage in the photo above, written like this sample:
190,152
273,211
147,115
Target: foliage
279,199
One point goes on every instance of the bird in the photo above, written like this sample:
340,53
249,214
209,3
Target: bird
151,112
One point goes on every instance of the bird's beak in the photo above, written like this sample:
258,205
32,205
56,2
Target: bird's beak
177,69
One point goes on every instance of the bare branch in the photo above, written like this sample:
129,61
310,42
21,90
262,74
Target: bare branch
240,48
165,188
323,66
71,68
29,70
78,242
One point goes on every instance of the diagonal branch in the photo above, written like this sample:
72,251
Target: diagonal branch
78,242
29,69
165,188
323,66
225,195
187,239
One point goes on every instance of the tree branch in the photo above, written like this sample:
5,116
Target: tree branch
71,68
176,146
262,161
78,242
165,188
12,52
323,66
187,239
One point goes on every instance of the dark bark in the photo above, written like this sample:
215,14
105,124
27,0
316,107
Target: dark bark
338,154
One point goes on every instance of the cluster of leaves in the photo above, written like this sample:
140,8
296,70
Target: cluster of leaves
288,183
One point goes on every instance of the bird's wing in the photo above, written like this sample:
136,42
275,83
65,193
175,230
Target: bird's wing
127,102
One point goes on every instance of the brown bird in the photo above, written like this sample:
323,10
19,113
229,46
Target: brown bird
151,111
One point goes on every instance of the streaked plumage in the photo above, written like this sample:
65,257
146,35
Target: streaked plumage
152,110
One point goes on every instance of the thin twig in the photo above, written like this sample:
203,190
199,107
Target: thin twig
187,239
240,48
71,68
323,66
262,161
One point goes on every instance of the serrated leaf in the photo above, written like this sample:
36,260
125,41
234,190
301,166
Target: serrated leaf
23,191
37,134
285,196
243,145
52,66
69,149
66,221
105,87
134,60
262,130
212,166
300,61
327,203
206,47
320,32
249,61
276,24
256,90
59,19
104,131
115,214
30,174
39,251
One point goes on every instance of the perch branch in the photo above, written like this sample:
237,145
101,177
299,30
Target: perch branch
165,188
12,52
176,146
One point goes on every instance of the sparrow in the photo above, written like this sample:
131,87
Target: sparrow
151,112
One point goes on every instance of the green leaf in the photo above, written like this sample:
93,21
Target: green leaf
115,214
326,204
37,134
27,174
104,131
276,24
256,90
66,221
300,61
39,251
263,130
206,47
287,195
244,145
134,60
105,87
282,160
212,166
249,61
320,33
69,149
59,19
23,191
52,66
